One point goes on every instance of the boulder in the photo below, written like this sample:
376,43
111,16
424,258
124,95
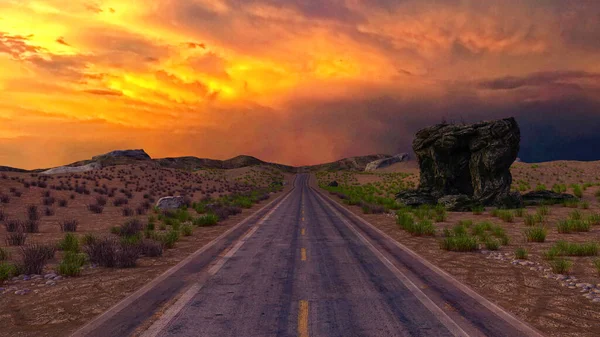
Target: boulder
472,160
546,197
415,198
333,184
133,154
456,203
72,169
385,162
170,202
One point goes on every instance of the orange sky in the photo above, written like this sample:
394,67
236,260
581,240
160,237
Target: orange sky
293,81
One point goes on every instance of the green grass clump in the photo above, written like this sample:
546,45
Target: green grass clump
467,223
575,215
506,216
530,220
570,225
571,203
519,212
89,239
596,263
561,266
576,249
584,204
186,230
7,271
491,244
71,264
69,243
521,253
423,227
206,220
543,210
477,210
461,243
3,254
578,190
496,212
169,239
594,219
480,228
535,234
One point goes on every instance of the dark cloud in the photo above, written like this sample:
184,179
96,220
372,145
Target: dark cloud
62,41
104,92
536,79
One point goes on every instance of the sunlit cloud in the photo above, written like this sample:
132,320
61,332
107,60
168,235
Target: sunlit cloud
291,81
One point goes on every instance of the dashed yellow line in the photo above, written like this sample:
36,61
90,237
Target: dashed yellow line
303,319
303,254
303,231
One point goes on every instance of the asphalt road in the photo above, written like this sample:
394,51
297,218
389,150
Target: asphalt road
307,267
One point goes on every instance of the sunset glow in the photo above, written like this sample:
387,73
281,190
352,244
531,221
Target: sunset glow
297,82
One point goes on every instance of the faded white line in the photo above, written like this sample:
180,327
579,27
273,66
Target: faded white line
508,317
163,321
448,322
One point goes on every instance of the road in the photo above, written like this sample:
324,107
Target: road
306,267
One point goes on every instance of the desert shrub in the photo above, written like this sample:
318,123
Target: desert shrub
206,220
48,201
543,210
506,216
151,248
13,225
63,203
132,239
69,225
31,226
32,213
480,228
368,208
69,243
521,253
5,199
186,230
141,210
95,208
131,227
127,211
100,200
570,225
496,212
584,204
120,201
7,271
108,252
16,238
561,266
49,211
35,258
571,203
540,187
169,239
440,214
466,223
244,202
150,225
4,255
535,234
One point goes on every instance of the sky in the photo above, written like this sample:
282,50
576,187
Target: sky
292,81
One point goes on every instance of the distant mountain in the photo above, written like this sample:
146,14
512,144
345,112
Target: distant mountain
358,163
122,157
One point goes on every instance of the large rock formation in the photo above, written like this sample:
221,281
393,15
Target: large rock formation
385,162
133,154
546,197
470,161
170,202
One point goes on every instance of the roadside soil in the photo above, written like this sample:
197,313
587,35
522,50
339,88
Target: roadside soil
58,310
553,309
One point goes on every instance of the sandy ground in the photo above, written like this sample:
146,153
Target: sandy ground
59,309
552,308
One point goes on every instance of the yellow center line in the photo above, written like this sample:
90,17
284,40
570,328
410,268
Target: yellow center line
303,319
302,218
303,231
303,254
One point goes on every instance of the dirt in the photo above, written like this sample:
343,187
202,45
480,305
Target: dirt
57,310
545,304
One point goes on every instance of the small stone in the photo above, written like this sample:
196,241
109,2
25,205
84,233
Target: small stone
596,291
49,276
580,285
15,278
58,278
597,299
572,287
50,283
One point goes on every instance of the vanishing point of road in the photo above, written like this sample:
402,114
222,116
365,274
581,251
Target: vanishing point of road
304,266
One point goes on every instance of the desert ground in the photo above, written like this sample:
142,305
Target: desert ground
557,302
51,302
